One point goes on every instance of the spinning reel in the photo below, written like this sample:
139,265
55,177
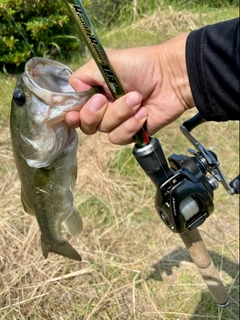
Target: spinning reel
184,197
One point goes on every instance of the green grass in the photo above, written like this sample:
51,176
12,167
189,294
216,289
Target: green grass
7,84
133,267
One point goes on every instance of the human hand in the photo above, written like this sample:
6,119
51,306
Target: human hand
157,91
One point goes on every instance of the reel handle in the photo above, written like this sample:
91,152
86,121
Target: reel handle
193,122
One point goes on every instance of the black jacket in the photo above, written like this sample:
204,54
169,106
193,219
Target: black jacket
212,55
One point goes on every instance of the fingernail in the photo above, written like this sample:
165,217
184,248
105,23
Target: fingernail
96,103
134,99
141,113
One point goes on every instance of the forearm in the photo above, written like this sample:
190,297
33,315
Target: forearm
212,57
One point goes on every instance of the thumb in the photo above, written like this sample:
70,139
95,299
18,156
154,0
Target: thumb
86,77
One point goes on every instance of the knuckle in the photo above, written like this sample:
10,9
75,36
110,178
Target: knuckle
87,130
122,111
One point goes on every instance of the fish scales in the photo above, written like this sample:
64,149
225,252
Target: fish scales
45,150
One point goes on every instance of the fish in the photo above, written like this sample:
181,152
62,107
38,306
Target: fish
45,150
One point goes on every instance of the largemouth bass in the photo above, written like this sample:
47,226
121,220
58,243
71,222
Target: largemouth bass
45,150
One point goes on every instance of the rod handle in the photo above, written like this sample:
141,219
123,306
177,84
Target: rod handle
200,256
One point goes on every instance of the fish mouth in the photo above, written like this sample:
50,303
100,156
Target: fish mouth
49,75
48,81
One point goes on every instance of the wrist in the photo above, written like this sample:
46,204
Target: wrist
175,69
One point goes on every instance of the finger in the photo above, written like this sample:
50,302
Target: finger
120,110
124,133
72,119
92,113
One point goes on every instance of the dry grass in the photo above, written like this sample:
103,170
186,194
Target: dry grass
169,22
133,268
163,24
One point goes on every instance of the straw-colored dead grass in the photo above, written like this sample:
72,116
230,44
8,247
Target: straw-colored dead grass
169,22
132,267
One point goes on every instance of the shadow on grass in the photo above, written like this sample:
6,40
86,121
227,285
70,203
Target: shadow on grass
206,307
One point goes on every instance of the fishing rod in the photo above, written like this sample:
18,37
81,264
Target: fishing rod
184,196
90,37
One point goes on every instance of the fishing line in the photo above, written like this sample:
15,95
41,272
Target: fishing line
9,14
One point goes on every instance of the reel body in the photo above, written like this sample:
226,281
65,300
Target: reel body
185,187
186,199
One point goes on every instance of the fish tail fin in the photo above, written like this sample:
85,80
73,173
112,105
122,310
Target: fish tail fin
73,222
62,247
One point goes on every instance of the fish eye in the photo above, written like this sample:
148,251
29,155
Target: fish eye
19,97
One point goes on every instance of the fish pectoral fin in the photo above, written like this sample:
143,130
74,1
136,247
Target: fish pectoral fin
62,247
73,222
26,205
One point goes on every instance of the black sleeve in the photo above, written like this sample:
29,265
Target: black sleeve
212,56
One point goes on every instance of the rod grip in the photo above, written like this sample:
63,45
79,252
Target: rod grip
200,256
